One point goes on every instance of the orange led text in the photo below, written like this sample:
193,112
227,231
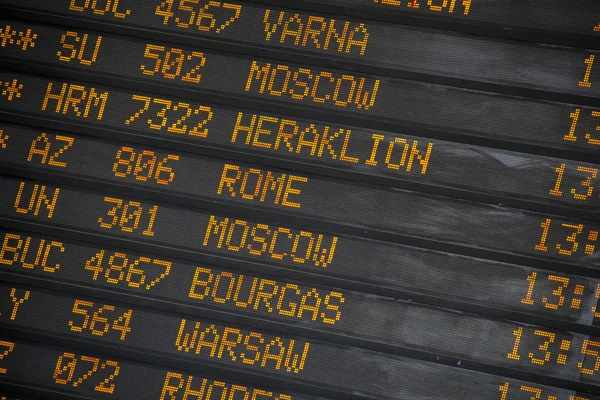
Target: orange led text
75,100
317,86
136,272
431,5
41,152
251,348
316,32
99,7
126,216
261,294
74,46
255,185
188,387
30,253
72,370
275,242
331,143
33,198
144,166
211,16
100,320
177,118
17,298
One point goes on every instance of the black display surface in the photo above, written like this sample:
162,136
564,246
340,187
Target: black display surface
250,200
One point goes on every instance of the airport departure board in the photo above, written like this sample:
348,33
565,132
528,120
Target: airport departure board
300,200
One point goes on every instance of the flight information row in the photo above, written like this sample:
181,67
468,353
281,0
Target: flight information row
236,347
576,23
82,372
410,273
385,49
